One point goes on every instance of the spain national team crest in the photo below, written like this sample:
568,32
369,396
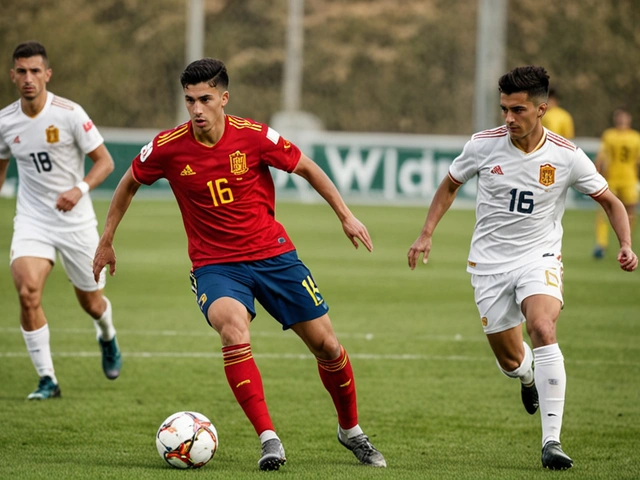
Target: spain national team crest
238,163
53,134
547,174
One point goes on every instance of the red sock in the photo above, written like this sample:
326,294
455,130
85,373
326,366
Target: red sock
337,378
246,384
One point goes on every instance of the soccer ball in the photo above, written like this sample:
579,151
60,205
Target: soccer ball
187,440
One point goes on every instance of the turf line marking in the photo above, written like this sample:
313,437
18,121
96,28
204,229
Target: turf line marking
306,356
279,334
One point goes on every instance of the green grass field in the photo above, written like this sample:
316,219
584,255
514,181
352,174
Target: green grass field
430,395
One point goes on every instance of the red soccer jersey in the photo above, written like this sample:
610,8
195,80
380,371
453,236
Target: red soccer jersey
225,192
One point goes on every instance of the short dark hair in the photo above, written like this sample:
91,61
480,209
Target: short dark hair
531,79
622,109
207,70
31,49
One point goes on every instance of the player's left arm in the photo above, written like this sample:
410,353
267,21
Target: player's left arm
619,220
102,166
322,184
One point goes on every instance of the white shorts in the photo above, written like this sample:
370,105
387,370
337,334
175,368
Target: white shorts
76,250
499,296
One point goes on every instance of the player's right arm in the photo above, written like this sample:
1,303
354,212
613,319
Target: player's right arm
105,254
4,166
321,183
442,200
619,220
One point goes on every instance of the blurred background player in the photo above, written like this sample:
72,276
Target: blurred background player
618,161
556,118
49,137
515,260
218,168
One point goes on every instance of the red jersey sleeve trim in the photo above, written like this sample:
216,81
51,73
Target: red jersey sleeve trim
600,192
457,182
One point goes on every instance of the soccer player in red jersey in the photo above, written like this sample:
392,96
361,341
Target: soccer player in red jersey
218,168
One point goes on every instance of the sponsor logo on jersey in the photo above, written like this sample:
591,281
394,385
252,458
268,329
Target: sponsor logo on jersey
17,139
187,171
484,321
238,163
471,264
496,170
53,134
87,126
547,174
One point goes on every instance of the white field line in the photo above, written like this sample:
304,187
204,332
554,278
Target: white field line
276,356
287,356
284,335
306,356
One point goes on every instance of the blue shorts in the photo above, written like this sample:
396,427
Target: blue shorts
283,285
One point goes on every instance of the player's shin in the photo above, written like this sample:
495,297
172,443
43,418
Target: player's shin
551,381
39,349
525,371
104,325
337,378
246,384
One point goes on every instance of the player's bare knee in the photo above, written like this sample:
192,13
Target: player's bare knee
326,348
30,297
231,333
542,332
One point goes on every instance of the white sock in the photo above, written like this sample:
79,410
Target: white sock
268,435
39,350
104,325
525,371
351,432
551,382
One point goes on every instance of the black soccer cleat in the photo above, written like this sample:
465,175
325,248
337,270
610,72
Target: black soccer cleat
529,396
554,458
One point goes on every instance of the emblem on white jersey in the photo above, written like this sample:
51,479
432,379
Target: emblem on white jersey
87,126
547,174
238,163
496,170
187,171
53,134
17,139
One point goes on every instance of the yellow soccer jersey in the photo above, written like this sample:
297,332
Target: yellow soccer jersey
621,149
559,121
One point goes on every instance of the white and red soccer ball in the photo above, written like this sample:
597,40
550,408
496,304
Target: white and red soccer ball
187,440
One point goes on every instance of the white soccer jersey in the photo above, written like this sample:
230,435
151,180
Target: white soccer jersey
521,197
49,150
